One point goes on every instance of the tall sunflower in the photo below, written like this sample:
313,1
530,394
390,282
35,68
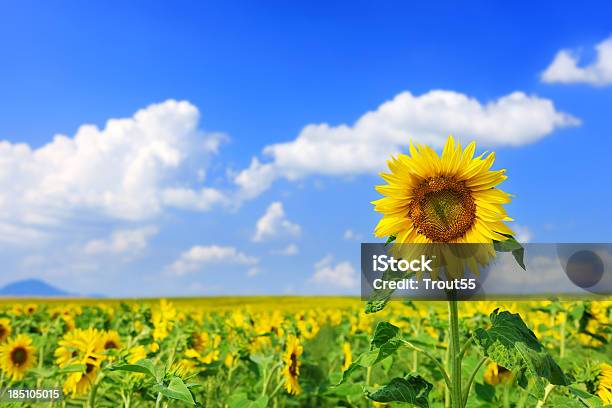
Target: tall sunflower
447,199
291,369
17,356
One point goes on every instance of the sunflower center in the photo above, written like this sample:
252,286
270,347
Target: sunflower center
89,368
19,355
3,332
110,344
293,365
442,209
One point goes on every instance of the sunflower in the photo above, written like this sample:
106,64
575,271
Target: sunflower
136,353
447,199
347,356
163,319
81,347
291,370
79,383
495,374
604,389
111,340
5,329
17,356
30,309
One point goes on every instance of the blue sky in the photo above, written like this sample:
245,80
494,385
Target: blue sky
253,76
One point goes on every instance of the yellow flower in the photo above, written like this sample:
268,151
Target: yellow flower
291,369
79,383
84,347
183,368
444,199
604,389
496,374
230,360
136,354
153,347
17,356
348,356
111,340
81,347
30,309
5,329
163,319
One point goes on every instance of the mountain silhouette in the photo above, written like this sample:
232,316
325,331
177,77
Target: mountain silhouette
33,287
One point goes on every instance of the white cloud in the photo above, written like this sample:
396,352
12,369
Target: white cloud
512,120
17,234
351,235
198,256
129,242
341,275
253,272
189,199
289,250
523,233
565,69
274,224
129,169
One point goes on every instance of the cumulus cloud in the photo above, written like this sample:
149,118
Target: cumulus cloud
129,169
274,223
289,250
564,68
129,242
198,256
341,275
512,120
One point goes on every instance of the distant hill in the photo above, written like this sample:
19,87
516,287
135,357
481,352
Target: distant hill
34,288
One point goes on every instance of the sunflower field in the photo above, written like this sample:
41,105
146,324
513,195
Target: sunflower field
300,352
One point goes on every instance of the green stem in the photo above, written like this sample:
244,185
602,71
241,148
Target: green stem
158,400
434,359
453,319
506,395
547,391
94,389
447,389
466,392
465,347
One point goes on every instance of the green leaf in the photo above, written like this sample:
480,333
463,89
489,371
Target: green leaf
512,245
511,344
345,389
380,297
74,368
176,390
413,389
242,401
144,366
484,391
383,332
385,343
588,399
390,239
